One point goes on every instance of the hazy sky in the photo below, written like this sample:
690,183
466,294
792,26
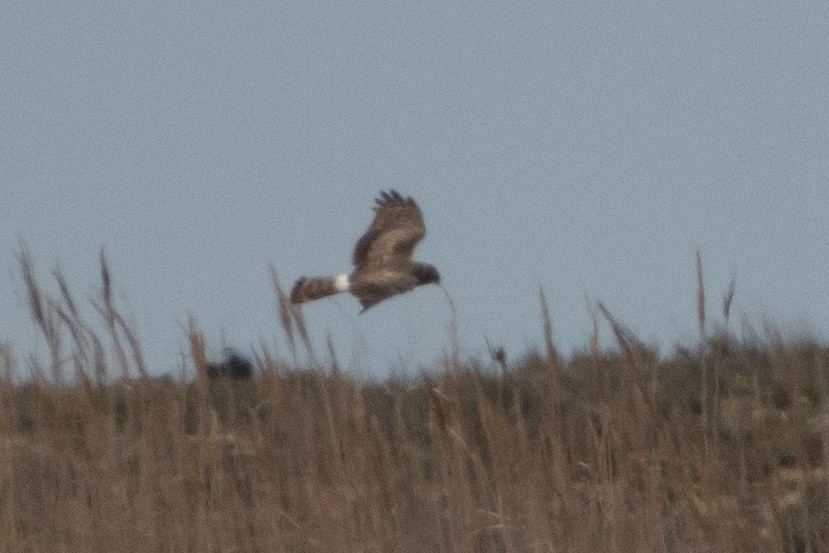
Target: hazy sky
588,149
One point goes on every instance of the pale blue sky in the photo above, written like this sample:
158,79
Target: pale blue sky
586,148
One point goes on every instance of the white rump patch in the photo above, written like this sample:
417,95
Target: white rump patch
341,283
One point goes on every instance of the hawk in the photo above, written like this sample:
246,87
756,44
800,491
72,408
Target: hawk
382,258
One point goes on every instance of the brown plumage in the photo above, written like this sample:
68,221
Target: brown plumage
382,258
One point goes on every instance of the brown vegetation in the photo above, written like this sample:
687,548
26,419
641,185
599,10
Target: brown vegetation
720,448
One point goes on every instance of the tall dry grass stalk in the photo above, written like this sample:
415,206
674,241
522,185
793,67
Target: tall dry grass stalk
703,354
602,452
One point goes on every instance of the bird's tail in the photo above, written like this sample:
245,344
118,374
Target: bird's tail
314,288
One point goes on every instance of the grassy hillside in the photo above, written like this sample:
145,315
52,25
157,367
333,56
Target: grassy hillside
720,448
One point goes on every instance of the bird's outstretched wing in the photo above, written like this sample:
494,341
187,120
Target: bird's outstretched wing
395,231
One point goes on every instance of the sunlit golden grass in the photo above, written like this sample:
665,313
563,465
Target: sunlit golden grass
722,446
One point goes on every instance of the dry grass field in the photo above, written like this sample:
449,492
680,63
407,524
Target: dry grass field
720,448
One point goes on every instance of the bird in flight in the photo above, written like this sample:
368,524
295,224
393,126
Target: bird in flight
382,258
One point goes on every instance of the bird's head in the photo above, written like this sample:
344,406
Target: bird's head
426,274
